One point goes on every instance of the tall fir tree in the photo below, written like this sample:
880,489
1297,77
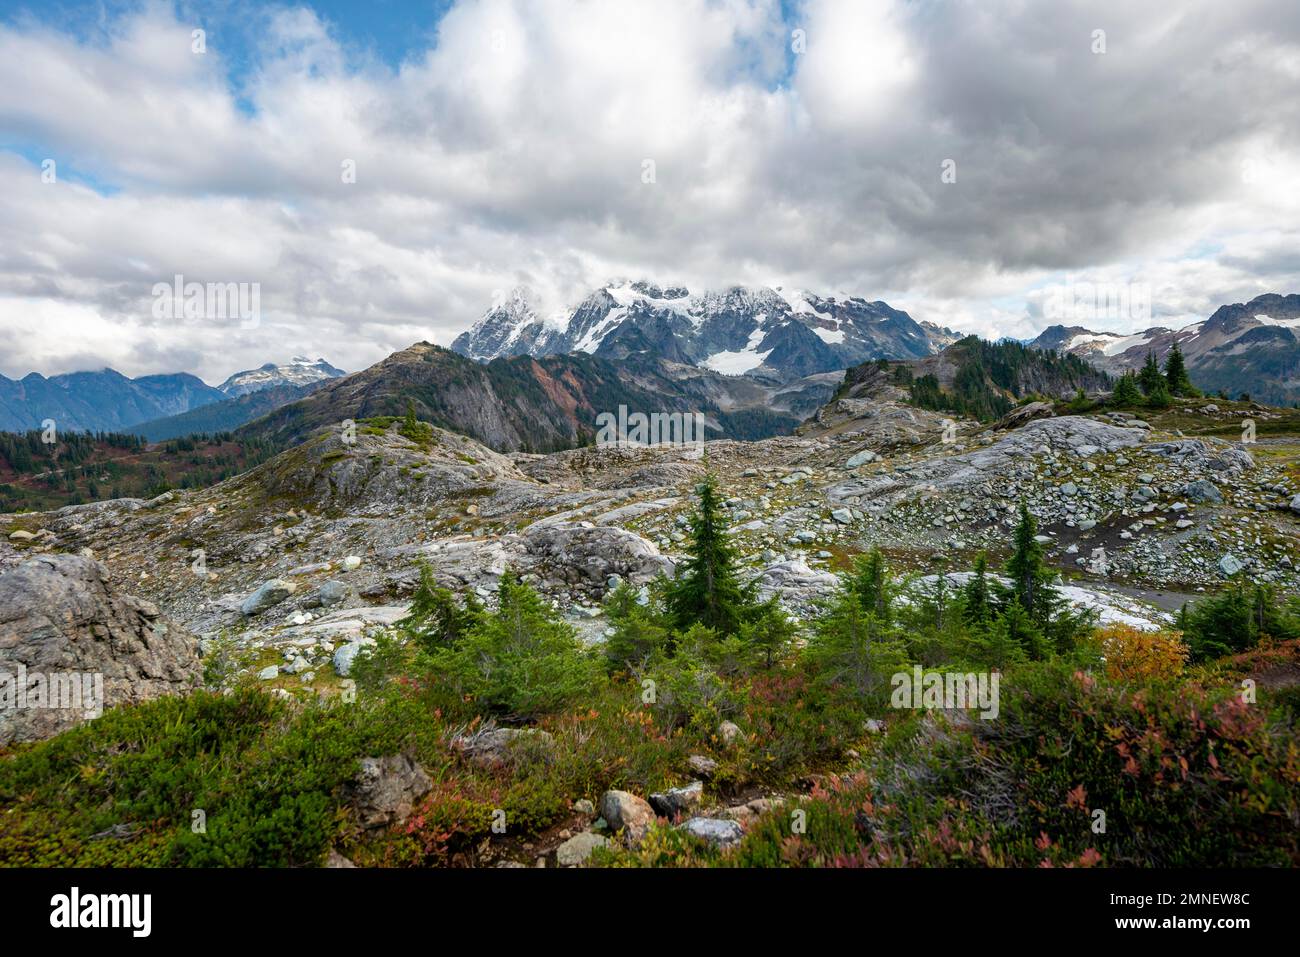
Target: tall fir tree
869,583
1151,377
707,590
1176,376
1025,566
977,605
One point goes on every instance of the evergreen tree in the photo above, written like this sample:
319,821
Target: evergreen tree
977,606
1029,576
854,649
869,583
519,662
1150,377
706,590
639,635
1160,396
1127,393
1033,589
767,634
1176,373
436,619
1013,637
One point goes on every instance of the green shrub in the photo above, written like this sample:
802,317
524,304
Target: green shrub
518,662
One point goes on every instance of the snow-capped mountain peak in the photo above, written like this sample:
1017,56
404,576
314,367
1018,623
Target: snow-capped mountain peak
297,371
509,327
737,330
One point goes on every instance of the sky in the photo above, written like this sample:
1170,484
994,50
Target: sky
377,173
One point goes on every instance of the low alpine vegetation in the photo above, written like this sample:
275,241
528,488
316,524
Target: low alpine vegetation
517,728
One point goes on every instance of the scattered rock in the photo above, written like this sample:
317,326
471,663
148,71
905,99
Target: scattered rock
347,655
270,593
702,765
1230,565
1203,491
491,747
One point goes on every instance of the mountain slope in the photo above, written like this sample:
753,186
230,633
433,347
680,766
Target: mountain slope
1251,347
226,415
975,378
522,403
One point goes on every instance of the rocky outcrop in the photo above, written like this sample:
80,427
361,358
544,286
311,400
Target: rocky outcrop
386,789
595,552
492,747
81,645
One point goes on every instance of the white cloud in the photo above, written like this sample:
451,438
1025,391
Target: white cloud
511,152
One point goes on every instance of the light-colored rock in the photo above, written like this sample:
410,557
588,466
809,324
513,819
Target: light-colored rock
717,832
577,849
346,656
728,731
702,765
624,811
676,800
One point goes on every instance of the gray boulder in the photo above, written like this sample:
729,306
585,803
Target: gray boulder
675,800
270,593
332,592
1230,565
577,849
1203,491
345,657
717,832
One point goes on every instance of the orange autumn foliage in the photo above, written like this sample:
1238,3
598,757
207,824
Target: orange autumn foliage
1131,654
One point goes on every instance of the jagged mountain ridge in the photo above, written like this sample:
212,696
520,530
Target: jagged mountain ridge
1251,347
98,401
767,333
107,401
